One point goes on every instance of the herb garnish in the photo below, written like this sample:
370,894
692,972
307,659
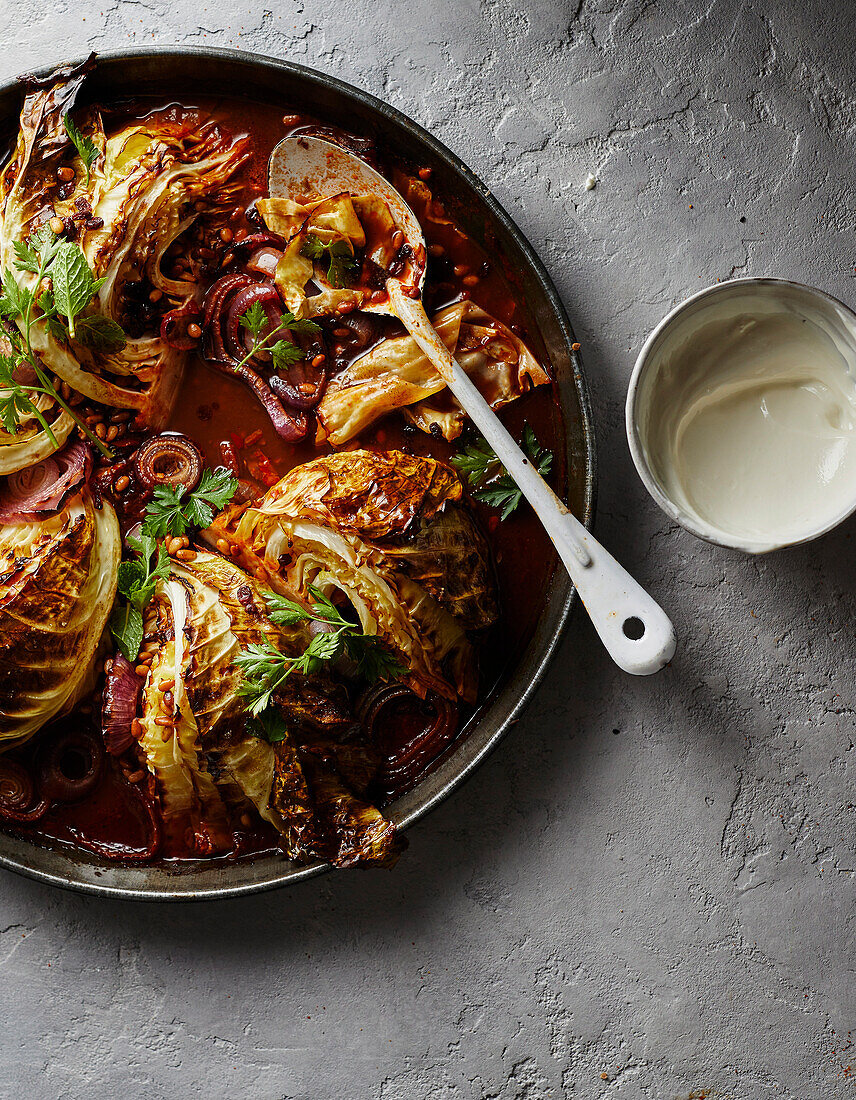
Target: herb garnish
172,510
491,484
268,726
61,308
137,581
265,667
85,146
342,269
283,352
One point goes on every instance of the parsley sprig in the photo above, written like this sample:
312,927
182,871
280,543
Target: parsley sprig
138,579
172,510
61,308
490,482
283,352
265,668
342,268
85,146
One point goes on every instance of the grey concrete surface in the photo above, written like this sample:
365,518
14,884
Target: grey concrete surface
648,890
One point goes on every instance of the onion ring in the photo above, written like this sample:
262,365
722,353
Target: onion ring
169,459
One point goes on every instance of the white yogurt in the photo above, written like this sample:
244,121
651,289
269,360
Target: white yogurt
747,414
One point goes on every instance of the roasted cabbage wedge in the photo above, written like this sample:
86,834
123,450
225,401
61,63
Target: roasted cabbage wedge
147,185
388,532
57,586
396,374
209,762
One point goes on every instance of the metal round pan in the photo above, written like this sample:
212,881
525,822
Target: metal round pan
121,74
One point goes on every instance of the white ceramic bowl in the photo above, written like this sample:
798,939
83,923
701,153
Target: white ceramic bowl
676,331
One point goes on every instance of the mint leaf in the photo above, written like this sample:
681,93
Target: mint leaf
74,286
126,626
100,333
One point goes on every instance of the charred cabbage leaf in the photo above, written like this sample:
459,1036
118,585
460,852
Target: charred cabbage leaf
142,189
206,612
328,242
203,751
57,586
396,374
356,525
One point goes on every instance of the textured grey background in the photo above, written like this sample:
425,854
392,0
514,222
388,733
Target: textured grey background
648,890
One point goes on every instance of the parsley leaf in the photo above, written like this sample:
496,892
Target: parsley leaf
477,461
285,612
268,726
15,299
40,251
284,354
342,267
172,511
85,146
479,464
13,406
265,667
254,319
303,326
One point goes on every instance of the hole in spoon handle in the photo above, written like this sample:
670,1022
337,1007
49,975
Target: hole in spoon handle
634,628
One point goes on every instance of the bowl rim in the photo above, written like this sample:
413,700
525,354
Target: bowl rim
561,592
638,451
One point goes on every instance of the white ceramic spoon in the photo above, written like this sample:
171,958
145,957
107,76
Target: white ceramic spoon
635,630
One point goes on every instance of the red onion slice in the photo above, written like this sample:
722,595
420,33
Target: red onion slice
46,487
267,296
174,325
119,705
254,241
264,261
289,426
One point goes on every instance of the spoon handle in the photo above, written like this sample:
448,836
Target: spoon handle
636,631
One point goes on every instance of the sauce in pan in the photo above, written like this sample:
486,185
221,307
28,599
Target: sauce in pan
227,423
